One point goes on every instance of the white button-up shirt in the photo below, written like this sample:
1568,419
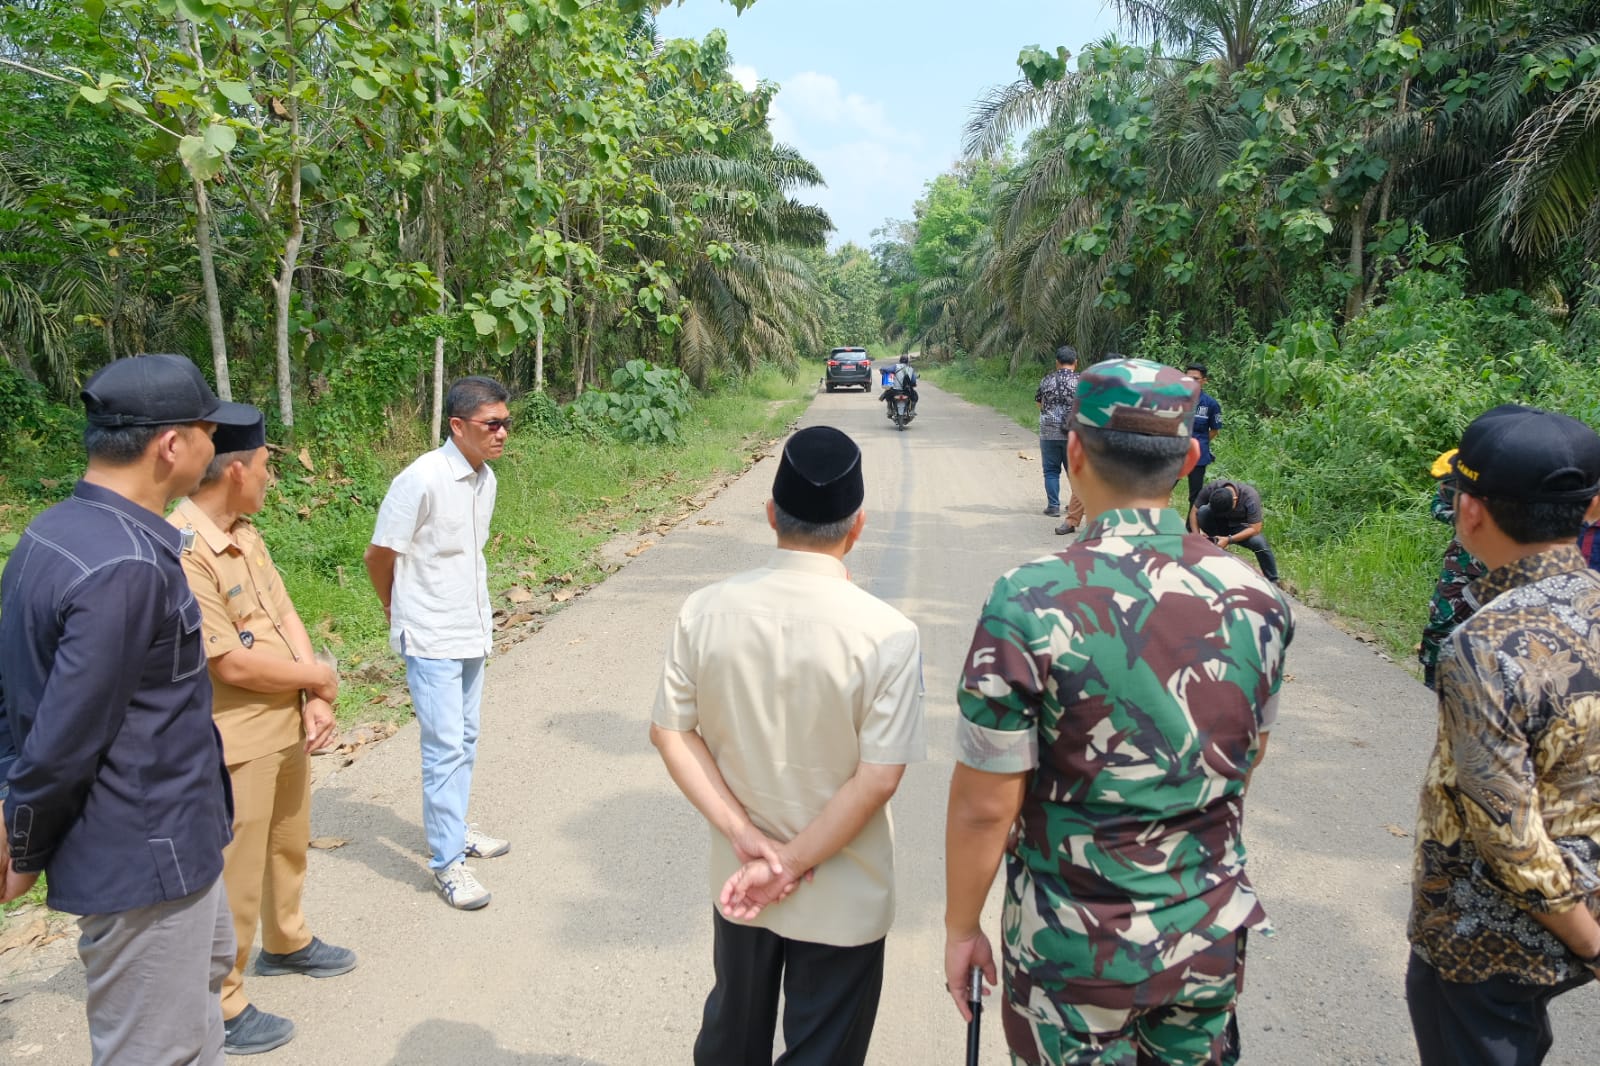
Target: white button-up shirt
793,677
436,518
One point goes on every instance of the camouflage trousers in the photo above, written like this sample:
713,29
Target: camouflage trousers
1181,1017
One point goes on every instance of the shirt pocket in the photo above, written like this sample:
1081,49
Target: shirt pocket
189,649
449,532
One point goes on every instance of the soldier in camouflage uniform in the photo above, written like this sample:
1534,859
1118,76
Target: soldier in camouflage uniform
1449,606
1115,698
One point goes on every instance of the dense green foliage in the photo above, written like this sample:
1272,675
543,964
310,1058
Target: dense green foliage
307,196
1373,222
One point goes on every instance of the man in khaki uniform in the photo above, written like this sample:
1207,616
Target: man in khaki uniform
789,706
272,701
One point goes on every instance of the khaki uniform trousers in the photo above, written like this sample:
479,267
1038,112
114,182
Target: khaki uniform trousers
264,868
1074,507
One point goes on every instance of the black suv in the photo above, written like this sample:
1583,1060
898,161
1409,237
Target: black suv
849,366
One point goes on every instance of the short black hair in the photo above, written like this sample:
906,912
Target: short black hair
1067,354
1197,366
1537,521
119,445
468,394
1137,462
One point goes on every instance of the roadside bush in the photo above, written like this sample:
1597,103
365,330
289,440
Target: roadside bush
646,403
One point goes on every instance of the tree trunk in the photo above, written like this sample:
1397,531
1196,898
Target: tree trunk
202,240
284,285
208,277
436,224
1357,298
538,323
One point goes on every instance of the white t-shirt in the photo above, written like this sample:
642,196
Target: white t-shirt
436,518
794,676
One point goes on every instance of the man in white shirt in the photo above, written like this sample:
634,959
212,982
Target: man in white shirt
426,563
789,706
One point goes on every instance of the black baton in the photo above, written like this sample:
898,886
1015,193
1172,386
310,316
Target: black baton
975,1001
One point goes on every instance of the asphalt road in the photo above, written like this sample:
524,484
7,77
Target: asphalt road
596,948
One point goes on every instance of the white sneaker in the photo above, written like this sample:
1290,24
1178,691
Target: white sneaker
460,888
484,846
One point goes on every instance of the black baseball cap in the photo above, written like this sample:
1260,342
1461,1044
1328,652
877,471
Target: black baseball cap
157,390
1513,452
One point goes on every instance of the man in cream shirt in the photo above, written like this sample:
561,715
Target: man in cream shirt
789,706
426,565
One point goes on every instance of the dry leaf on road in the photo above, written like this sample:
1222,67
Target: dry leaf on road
1395,830
328,843
518,594
1025,457
563,595
634,553
25,936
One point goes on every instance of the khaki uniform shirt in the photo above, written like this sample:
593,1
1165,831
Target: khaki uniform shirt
241,593
794,676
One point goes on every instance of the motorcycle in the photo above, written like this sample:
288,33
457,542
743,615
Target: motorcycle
900,411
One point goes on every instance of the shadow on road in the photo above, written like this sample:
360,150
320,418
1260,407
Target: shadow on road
437,1041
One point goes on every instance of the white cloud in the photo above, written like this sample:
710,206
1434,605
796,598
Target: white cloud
815,99
867,162
745,76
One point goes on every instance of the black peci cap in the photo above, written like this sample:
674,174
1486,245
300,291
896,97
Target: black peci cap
241,438
819,476
1512,452
157,390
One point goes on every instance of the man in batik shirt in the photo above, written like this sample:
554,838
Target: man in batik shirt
1506,880
1115,699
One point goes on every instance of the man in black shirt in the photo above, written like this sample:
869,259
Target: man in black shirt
116,784
1229,512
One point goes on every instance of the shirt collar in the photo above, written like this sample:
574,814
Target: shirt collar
807,563
159,527
460,469
217,540
1525,571
1135,522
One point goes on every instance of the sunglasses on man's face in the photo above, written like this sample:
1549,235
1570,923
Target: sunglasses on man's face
493,425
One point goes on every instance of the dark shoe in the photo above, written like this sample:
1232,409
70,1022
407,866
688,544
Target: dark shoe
1053,511
251,1031
316,959
1064,528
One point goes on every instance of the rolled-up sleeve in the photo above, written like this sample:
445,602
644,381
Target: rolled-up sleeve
109,622
1002,688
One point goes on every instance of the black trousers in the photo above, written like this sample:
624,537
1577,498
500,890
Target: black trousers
1214,526
1498,1022
1197,480
830,1000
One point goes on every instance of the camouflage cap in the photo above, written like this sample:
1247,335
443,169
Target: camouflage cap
1136,396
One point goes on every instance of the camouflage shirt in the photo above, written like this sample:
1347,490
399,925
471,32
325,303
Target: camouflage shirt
1510,819
1449,606
1132,674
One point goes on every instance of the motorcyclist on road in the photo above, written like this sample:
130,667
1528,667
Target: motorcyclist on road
904,380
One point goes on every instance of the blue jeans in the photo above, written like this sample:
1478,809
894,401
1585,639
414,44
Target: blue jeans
1053,456
446,694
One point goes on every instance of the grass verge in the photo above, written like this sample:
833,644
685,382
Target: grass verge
1373,571
561,498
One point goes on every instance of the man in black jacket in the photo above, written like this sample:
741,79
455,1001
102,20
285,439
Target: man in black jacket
116,784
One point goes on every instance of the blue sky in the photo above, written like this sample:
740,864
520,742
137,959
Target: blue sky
876,92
